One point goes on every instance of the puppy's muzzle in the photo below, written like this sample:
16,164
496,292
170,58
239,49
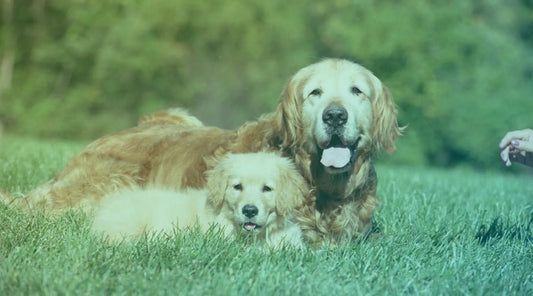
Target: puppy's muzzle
250,211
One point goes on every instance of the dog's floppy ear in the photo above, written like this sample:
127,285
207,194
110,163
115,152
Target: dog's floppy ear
291,189
287,119
384,124
217,182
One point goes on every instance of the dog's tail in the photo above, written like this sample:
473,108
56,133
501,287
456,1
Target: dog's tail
5,197
175,116
16,200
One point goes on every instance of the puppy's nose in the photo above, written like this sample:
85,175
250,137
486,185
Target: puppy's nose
335,115
250,211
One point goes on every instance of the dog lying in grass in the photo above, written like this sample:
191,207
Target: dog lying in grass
251,193
332,118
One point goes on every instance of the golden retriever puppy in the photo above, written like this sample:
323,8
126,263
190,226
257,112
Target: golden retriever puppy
332,117
251,193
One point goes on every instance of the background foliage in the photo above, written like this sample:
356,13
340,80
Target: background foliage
461,71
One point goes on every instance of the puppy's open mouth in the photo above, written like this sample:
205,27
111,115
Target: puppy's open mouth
249,226
337,156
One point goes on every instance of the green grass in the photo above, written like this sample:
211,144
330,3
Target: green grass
429,220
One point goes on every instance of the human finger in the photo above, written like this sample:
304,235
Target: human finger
505,156
506,140
522,145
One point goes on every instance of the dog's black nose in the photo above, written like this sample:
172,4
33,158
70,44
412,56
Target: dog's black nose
250,211
335,115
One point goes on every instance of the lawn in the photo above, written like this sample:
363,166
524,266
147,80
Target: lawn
441,232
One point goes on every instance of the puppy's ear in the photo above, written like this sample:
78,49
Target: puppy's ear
291,189
287,119
217,182
384,125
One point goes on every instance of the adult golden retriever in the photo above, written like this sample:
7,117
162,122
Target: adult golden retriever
331,118
238,197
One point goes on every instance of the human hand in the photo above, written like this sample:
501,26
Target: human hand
517,146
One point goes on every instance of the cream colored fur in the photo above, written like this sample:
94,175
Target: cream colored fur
262,181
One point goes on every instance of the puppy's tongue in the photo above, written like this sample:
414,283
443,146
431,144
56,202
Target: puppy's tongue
337,157
249,226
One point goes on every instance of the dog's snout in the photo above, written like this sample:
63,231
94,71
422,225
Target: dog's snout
250,211
335,115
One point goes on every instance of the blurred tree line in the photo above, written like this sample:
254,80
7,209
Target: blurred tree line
460,71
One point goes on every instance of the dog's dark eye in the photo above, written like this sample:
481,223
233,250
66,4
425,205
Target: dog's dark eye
267,188
237,187
356,90
316,92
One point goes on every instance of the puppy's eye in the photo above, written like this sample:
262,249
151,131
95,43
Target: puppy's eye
237,187
356,90
267,188
315,92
